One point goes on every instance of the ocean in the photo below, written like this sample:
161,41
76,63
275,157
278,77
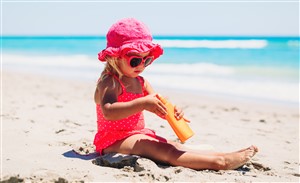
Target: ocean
261,68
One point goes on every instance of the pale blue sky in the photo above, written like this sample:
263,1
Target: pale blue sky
163,18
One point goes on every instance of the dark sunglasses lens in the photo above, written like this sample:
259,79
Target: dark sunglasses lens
148,61
134,62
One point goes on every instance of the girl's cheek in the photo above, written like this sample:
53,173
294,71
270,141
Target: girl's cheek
123,68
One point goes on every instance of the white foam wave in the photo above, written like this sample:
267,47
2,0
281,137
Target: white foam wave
189,69
213,78
268,90
293,43
193,77
74,66
228,44
55,61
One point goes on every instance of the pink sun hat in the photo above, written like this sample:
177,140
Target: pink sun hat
129,35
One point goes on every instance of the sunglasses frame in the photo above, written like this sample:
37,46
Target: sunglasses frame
143,60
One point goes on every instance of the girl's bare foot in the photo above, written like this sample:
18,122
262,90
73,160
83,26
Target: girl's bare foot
254,147
236,159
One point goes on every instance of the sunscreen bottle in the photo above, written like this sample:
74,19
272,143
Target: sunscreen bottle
180,127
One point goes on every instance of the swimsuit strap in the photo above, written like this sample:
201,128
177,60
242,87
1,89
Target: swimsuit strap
140,78
118,79
115,77
142,81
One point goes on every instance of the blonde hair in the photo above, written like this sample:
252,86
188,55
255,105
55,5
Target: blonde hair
111,68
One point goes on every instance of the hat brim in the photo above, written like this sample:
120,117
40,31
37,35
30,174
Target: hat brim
133,47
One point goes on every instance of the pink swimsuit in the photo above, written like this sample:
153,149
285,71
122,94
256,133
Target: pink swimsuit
111,131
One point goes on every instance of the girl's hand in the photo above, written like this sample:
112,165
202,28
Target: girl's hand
179,114
153,104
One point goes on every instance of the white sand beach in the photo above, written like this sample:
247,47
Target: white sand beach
45,118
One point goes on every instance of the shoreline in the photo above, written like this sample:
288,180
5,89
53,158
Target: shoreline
93,78
52,116
204,78
237,98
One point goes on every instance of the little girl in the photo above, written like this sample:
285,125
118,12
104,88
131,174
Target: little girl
122,95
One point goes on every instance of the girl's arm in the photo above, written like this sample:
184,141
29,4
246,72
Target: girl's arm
178,111
108,91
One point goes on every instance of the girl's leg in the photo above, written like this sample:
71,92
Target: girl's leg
182,147
208,152
167,152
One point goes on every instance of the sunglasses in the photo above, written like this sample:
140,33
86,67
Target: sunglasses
135,61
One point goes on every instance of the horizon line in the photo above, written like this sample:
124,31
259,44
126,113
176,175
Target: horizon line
154,35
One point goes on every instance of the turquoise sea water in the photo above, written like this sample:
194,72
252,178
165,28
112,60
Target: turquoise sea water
256,67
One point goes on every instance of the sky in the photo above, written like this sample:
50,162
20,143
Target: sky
206,18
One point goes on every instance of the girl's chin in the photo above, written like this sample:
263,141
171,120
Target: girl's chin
137,72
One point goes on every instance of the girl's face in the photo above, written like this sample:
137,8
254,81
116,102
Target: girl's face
133,72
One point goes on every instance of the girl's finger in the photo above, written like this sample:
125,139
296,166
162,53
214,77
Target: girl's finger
179,115
162,111
159,112
186,120
162,107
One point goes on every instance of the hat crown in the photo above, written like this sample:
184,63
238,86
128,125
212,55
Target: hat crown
126,31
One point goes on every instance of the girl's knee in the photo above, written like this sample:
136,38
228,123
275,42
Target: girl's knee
176,144
162,152
218,163
172,154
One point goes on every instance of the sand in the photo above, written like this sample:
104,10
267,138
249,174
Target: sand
45,118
